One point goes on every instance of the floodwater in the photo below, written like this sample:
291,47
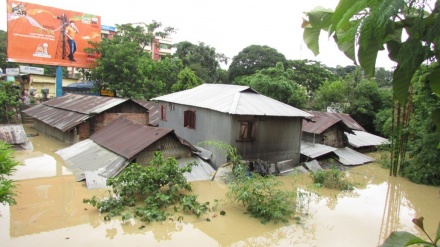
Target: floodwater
50,212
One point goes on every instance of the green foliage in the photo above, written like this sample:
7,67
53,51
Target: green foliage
424,155
262,196
254,58
403,238
186,79
124,66
202,59
331,178
370,25
7,168
331,94
310,74
10,102
159,185
275,83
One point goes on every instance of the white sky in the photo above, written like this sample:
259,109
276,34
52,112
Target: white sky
229,26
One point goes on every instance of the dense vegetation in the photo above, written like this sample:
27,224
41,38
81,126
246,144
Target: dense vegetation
363,28
149,192
7,167
332,178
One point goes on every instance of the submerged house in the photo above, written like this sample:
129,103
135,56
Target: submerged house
325,130
108,151
74,117
335,134
259,127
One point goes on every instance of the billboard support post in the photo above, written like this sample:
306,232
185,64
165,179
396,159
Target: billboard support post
59,82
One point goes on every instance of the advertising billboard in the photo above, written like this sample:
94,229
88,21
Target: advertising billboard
45,35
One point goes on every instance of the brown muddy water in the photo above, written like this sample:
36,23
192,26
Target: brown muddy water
50,212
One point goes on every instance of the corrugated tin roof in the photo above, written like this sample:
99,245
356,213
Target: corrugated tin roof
63,120
203,170
153,111
349,157
314,150
13,134
346,118
232,99
85,104
319,124
363,139
127,138
89,156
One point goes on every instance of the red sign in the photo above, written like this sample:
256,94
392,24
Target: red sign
46,35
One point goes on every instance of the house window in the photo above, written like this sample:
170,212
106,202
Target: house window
247,131
189,119
163,112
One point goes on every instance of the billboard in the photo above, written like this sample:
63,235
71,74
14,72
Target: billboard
45,35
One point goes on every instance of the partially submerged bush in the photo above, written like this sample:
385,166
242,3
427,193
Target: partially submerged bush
331,178
262,196
159,186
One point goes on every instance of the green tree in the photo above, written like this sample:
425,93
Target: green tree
276,83
10,101
253,58
310,74
331,94
369,25
423,164
202,59
7,168
383,77
124,65
186,79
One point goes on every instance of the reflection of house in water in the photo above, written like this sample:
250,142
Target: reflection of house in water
73,117
48,204
258,126
112,148
15,135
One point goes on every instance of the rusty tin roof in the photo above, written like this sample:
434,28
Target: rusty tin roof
127,138
153,111
346,118
70,110
12,134
319,124
85,104
63,120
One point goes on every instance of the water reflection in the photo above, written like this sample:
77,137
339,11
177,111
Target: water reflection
50,212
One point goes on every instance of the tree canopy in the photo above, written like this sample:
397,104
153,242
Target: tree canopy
276,83
202,59
362,28
310,74
125,67
253,58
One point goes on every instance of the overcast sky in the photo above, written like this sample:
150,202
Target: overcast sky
229,26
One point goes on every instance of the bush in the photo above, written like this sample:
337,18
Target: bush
7,168
159,185
262,196
331,178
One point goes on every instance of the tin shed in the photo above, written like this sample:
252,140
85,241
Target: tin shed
74,117
258,126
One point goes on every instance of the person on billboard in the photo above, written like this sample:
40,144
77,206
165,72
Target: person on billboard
71,30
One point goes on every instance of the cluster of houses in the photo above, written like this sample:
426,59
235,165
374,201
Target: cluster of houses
107,133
